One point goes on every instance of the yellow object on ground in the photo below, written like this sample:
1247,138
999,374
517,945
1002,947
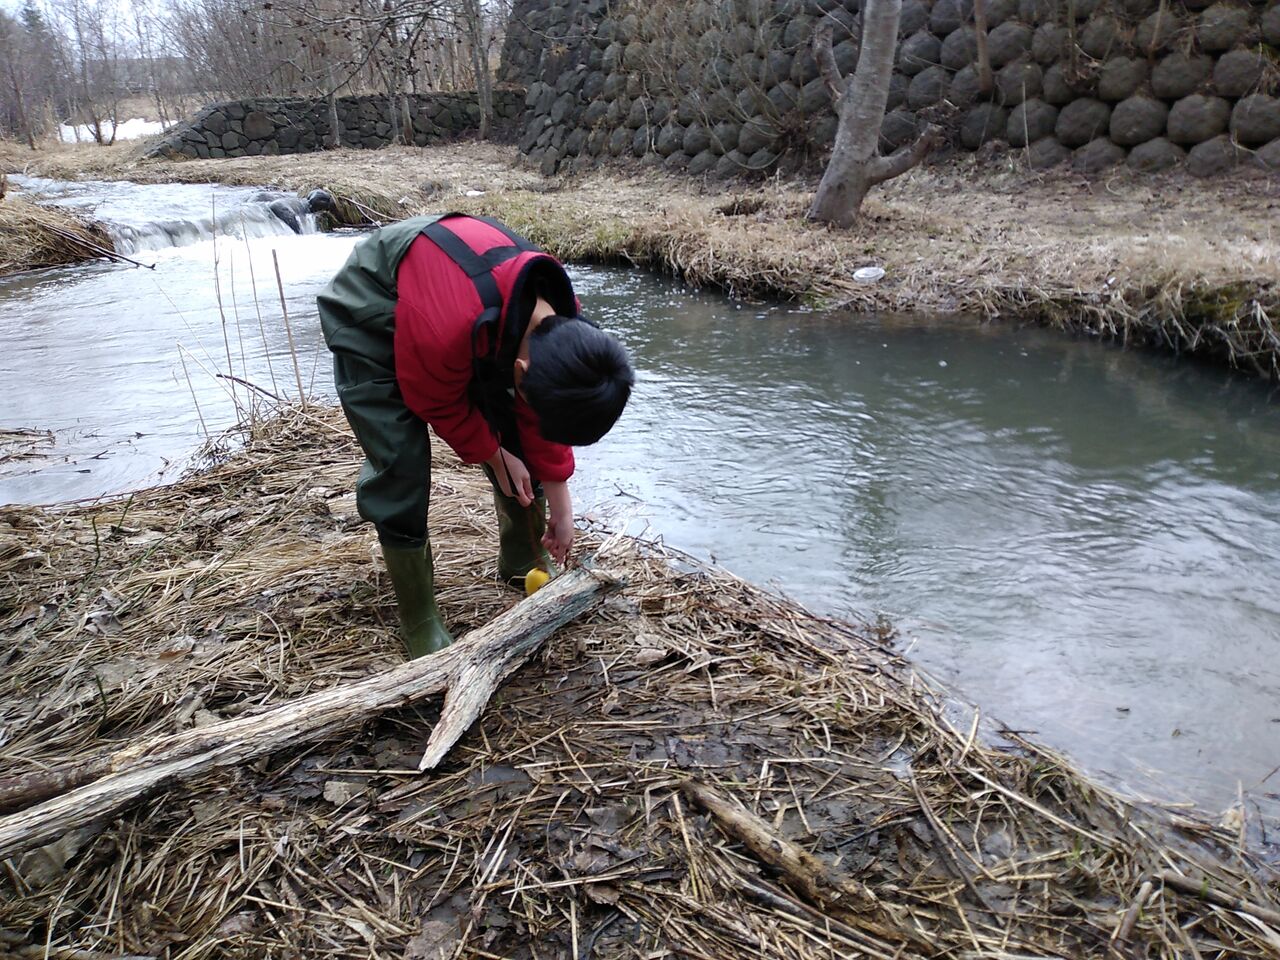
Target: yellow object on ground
535,580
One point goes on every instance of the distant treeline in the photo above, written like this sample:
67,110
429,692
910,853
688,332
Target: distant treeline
87,61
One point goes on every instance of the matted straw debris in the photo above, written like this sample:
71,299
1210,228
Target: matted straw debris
34,236
603,804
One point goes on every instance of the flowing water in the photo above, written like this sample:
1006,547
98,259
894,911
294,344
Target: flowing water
1083,540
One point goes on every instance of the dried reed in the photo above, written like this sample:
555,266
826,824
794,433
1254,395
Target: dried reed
556,828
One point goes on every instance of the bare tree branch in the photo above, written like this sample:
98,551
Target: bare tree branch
826,58
904,158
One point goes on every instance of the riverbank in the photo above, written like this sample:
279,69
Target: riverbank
33,237
1185,264
558,825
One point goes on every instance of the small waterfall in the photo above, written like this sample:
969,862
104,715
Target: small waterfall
142,217
249,221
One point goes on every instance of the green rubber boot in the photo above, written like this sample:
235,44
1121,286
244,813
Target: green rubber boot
421,628
520,531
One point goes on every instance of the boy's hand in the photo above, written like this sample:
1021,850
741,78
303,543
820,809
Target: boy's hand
559,536
513,476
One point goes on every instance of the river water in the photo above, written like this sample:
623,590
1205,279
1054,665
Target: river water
1083,540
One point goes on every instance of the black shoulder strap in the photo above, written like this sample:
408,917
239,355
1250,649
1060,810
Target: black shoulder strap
474,265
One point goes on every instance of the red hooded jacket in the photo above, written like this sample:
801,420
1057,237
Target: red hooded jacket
436,312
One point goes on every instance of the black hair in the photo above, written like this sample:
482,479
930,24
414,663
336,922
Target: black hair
578,381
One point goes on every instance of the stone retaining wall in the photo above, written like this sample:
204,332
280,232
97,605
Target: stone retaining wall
272,126
725,87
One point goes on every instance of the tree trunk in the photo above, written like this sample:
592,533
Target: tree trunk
393,93
986,83
335,122
468,673
23,124
480,63
856,165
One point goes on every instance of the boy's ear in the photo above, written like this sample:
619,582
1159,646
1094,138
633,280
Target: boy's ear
520,371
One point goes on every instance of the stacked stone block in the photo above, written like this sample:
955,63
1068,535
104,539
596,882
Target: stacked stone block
273,126
727,87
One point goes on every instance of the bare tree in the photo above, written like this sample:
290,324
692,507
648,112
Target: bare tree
14,53
856,165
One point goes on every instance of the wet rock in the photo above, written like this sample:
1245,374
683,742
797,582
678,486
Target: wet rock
1212,157
1097,155
596,111
619,142
822,132
928,88
998,11
724,136
846,54
804,68
732,164
948,16
1179,75
1100,38
677,162
899,128
1237,72
704,162
1135,9
1081,121
1055,88
1007,43
1137,120
576,142
1198,118
1037,11
1121,77
593,85
914,16
960,48
762,160
546,98
638,115
815,97
1271,25
690,109
983,122
778,66
1029,122
1220,28
233,141
641,142
696,139
1156,155
1018,82
757,133
965,88
1049,44
215,123
1255,120
1047,152
784,98
1267,158
899,83
919,52
1157,31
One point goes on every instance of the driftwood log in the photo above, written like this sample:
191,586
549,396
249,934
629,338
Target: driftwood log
467,673
831,890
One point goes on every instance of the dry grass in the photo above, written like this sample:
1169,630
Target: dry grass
1188,264
555,828
33,236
